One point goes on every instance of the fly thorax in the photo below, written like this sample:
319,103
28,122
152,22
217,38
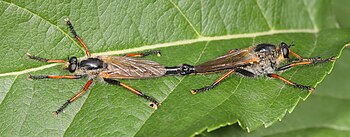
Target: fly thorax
266,64
92,64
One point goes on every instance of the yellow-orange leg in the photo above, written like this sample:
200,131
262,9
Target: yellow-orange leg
44,59
232,51
77,37
293,65
195,91
56,77
310,89
157,52
295,54
305,61
86,87
154,104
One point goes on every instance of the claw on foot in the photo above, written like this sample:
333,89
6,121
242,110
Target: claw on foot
193,92
153,105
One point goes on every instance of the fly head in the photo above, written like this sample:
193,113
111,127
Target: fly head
284,49
73,64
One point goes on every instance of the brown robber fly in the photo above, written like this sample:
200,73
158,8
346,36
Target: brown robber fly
260,60
110,68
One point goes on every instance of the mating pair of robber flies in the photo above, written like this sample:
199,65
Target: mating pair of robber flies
254,61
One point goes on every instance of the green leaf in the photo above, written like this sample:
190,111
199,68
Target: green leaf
186,32
326,113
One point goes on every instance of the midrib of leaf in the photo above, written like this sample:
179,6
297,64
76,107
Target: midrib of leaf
175,43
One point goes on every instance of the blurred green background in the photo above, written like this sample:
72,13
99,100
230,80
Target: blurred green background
325,112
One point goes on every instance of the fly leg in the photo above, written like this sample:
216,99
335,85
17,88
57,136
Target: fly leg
305,61
154,104
143,54
77,37
86,87
56,77
310,89
238,70
44,59
245,72
314,60
232,51
295,54
64,77
195,91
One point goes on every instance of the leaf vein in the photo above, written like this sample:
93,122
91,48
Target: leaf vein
257,3
309,14
13,82
51,23
188,21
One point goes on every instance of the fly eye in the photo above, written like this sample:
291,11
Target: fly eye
284,49
72,68
283,44
73,60
73,63
286,52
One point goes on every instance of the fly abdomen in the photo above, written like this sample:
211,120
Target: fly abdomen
184,69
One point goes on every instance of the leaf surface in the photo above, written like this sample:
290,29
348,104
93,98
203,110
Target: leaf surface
189,32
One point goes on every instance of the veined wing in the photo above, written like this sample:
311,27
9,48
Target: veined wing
131,68
228,61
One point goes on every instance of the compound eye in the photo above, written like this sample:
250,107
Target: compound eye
285,52
284,49
73,64
72,67
73,60
284,44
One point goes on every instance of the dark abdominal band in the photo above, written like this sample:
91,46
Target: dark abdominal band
184,69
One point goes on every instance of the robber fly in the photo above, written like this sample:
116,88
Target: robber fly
109,68
260,60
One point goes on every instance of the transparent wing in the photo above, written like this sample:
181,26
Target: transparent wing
229,61
131,68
